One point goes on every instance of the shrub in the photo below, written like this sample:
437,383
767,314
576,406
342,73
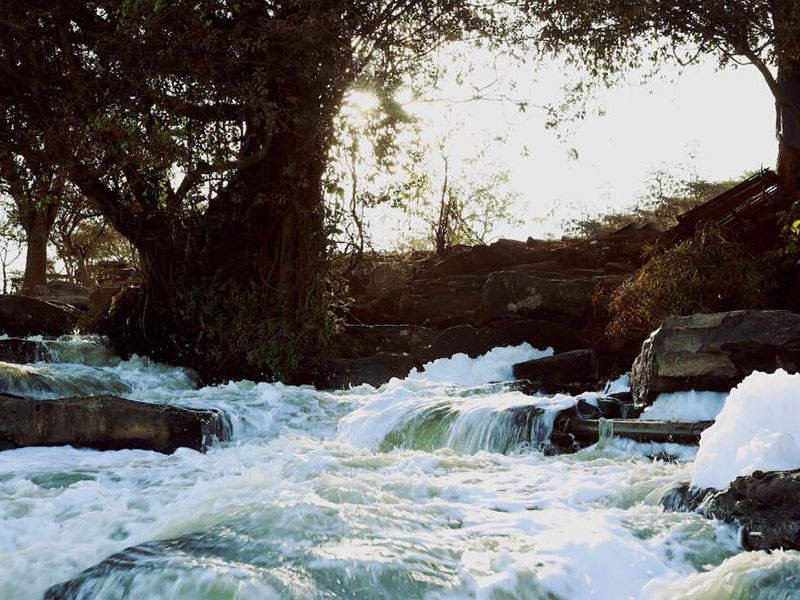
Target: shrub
709,273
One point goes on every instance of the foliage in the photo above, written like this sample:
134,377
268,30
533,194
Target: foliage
709,273
201,130
666,198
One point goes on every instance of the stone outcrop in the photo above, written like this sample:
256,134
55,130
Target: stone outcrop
106,423
764,504
358,341
577,366
24,315
715,351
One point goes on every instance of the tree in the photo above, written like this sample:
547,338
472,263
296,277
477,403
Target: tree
201,129
37,196
10,242
611,36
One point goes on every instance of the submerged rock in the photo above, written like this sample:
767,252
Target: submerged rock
106,423
23,315
714,352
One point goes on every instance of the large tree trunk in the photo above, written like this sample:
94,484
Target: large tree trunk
241,292
37,223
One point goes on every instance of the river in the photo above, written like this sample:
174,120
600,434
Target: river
423,488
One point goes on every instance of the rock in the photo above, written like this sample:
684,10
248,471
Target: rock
99,307
359,341
475,341
482,259
715,352
577,366
20,351
432,302
375,370
764,504
64,292
23,315
106,423
513,294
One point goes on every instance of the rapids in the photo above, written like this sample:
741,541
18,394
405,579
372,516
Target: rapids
439,485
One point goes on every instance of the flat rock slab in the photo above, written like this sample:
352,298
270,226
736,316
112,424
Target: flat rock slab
107,423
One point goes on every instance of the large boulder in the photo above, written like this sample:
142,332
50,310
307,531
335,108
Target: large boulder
475,341
577,366
715,352
106,423
23,315
375,370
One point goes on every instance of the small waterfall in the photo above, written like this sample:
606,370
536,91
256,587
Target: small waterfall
605,432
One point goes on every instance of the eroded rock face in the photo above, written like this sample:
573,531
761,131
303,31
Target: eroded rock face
24,315
358,341
715,352
106,423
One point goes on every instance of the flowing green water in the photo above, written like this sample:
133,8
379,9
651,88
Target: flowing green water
434,486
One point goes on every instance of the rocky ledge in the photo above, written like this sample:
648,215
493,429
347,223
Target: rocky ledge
107,423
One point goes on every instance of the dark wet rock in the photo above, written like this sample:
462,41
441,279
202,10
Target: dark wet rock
63,292
584,410
107,423
767,507
684,498
475,341
432,302
21,351
24,315
375,370
515,294
358,341
715,351
483,259
577,366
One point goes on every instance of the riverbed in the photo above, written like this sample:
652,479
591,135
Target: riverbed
422,488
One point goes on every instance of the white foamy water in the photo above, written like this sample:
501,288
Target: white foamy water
429,487
758,429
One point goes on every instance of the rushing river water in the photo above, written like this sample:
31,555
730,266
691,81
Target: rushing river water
423,488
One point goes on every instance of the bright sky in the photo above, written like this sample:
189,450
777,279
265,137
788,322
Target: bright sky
718,123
